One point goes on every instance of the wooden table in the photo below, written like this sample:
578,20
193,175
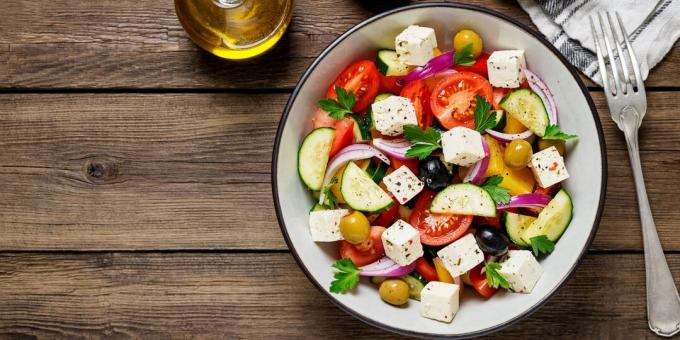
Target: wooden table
135,194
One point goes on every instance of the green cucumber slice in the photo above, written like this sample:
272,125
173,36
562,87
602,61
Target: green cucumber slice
381,96
361,193
313,156
464,199
500,120
515,225
362,127
388,64
527,107
553,219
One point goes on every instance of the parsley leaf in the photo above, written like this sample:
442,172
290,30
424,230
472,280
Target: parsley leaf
464,56
493,277
500,195
483,120
553,132
331,201
424,142
347,276
338,108
541,245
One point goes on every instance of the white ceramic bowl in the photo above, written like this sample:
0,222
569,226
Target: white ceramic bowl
586,163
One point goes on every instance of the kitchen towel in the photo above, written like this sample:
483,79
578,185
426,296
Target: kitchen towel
652,26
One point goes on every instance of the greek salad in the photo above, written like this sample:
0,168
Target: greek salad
437,171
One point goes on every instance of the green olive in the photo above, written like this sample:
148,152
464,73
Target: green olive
546,143
355,228
395,292
517,154
468,37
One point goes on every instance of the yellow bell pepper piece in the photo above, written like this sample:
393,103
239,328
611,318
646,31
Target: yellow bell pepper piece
513,125
436,52
518,181
442,273
496,164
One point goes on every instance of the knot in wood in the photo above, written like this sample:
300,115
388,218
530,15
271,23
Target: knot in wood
102,170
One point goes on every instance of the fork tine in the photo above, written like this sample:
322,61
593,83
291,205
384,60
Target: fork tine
631,53
610,55
622,58
600,57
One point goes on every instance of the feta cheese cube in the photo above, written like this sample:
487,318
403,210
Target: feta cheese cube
391,114
505,68
324,225
521,270
548,167
461,256
439,301
403,184
415,45
462,146
402,243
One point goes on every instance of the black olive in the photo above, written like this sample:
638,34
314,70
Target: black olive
433,173
492,241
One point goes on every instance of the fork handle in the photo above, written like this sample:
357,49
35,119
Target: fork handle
663,301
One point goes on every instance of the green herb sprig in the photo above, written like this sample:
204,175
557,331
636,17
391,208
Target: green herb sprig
499,194
424,142
346,278
338,108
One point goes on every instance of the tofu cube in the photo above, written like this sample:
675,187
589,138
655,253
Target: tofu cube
521,270
462,146
403,184
391,114
461,256
505,68
548,167
439,301
415,45
324,225
402,243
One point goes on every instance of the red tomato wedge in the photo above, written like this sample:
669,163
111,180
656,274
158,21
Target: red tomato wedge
437,229
365,253
390,84
426,270
344,135
453,98
361,78
479,282
411,164
479,67
419,95
498,94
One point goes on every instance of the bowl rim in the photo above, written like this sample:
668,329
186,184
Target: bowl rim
312,67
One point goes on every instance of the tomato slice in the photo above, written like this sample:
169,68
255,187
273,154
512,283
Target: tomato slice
344,135
426,270
386,218
437,229
479,282
453,98
361,78
419,95
365,253
390,84
396,163
478,67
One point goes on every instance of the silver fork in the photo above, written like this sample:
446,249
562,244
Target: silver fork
627,106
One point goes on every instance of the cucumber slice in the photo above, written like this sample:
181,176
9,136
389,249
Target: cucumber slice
317,207
553,219
464,199
515,225
527,107
381,96
388,64
362,127
313,156
361,193
415,286
377,170
500,121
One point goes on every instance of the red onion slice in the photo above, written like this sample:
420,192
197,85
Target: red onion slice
476,174
542,90
436,64
506,138
394,147
526,201
349,153
385,267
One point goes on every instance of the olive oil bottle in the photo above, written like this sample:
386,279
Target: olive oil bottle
235,29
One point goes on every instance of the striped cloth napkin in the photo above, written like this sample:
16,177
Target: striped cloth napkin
653,27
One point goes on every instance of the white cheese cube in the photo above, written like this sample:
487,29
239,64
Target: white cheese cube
439,301
415,45
505,68
548,167
521,270
391,114
403,184
462,146
324,225
402,243
461,256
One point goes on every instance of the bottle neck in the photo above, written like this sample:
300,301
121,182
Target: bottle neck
228,3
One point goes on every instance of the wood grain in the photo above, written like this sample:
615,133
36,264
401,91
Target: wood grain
244,296
140,44
191,171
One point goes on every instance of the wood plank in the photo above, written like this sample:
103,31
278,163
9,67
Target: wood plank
178,295
140,44
178,171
